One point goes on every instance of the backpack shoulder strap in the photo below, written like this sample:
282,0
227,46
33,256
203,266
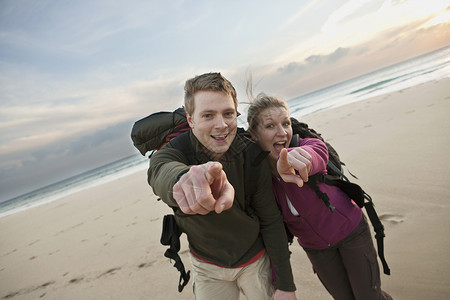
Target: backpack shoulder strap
182,143
379,233
253,157
170,235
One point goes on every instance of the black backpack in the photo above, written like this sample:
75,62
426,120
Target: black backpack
154,131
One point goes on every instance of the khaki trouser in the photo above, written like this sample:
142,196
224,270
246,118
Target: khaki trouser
213,282
349,270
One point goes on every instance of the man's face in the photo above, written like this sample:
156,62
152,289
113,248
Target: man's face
214,121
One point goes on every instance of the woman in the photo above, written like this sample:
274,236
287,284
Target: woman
338,243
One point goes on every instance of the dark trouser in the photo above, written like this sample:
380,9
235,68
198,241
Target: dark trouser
349,269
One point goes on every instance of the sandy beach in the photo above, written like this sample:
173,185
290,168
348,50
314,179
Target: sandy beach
103,243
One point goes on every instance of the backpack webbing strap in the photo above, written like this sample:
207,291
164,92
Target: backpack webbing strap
337,170
313,184
171,237
379,234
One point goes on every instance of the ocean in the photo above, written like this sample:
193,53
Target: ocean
431,66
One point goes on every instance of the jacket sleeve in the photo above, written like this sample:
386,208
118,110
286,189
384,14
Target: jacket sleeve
166,167
319,153
272,230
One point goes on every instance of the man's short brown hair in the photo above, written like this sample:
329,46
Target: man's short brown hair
214,82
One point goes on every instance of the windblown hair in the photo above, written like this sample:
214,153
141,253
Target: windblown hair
214,82
258,105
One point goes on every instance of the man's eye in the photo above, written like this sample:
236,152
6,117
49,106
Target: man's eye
207,116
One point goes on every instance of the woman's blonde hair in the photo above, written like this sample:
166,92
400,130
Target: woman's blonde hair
258,104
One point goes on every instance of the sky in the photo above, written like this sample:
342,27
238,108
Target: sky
76,75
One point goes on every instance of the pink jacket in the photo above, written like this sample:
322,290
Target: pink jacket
316,227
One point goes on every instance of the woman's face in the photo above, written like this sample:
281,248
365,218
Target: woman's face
274,131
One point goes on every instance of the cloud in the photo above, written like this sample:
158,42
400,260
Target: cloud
291,67
26,170
348,12
352,25
399,43
49,110
57,135
442,17
71,26
98,138
314,60
304,10
69,145
330,58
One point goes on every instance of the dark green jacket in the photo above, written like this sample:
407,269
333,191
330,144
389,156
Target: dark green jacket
233,237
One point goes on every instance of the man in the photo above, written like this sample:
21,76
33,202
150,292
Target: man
229,247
